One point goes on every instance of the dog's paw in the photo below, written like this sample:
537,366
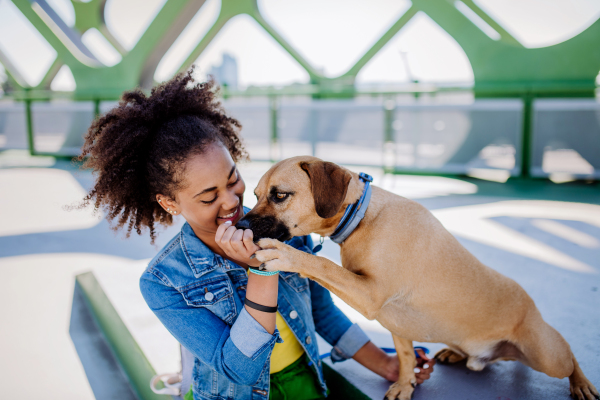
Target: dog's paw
400,391
582,389
267,243
277,256
447,356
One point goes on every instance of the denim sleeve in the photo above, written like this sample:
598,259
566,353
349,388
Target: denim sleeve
240,352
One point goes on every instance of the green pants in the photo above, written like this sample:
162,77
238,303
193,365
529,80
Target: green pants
295,382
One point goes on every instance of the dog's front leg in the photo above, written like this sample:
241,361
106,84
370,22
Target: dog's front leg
358,291
404,387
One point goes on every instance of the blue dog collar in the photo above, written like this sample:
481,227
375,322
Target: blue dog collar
354,212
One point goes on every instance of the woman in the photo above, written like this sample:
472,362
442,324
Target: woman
173,153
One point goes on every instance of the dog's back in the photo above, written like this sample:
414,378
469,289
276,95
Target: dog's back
425,271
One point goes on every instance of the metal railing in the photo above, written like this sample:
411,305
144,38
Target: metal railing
379,129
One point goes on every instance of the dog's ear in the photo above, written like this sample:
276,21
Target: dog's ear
329,184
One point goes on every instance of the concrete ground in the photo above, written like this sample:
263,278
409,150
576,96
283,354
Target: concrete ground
543,235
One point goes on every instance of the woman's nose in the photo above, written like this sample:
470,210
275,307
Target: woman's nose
231,201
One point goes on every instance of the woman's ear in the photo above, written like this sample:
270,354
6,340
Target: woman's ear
329,184
168,204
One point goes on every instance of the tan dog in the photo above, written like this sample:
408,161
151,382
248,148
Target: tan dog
404,269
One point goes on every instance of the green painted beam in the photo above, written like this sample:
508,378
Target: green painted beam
13,74
66,49
166,41
128,352
502,69
136,365
112,40
50,75
91,15
505,36
312,72
94,80
204,42
232,8
110,82
387,36
134,62
88,14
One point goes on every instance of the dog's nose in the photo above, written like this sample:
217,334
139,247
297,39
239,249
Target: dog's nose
243,223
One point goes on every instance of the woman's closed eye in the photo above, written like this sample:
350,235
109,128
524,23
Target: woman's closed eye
235,177
236,180
210,201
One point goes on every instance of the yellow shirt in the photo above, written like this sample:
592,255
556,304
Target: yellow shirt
285,353
290,350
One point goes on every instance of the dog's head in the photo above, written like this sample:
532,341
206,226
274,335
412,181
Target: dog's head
298,196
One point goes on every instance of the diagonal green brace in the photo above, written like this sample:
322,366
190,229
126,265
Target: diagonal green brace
128,352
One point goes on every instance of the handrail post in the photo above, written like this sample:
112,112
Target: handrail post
389,112
526,140
274,142
29,123
96,107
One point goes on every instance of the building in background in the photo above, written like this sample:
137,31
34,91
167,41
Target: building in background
226,74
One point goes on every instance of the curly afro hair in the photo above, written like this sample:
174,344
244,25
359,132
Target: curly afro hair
139,148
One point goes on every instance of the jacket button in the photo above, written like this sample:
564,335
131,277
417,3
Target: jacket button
209,296
293,314
308,340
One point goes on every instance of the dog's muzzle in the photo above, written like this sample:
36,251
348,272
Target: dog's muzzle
264,227
243,223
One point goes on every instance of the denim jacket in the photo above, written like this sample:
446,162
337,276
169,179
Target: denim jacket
199,298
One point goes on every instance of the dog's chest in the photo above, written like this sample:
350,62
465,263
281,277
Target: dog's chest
405,321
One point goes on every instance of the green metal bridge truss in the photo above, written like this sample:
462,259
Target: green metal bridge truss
501,68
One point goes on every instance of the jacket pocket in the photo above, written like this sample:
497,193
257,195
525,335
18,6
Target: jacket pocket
209,384
215,294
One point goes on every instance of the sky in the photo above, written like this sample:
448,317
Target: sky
331,34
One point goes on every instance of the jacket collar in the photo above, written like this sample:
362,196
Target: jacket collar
202,260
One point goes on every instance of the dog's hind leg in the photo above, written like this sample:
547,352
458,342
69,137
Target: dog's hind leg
557,360
404,387
581,387
449,356
545,350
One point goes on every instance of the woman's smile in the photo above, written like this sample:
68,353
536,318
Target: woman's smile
233,216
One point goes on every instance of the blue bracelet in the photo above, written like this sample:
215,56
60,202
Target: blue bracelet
263,273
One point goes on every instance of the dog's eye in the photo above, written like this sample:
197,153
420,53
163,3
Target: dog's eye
279,197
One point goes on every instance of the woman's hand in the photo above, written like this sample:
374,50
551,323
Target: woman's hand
237,244
425,366
423,369
388,366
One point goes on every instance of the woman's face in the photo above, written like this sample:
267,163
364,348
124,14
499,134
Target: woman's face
213,191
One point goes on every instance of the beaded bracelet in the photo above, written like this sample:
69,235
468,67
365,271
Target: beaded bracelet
256,271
